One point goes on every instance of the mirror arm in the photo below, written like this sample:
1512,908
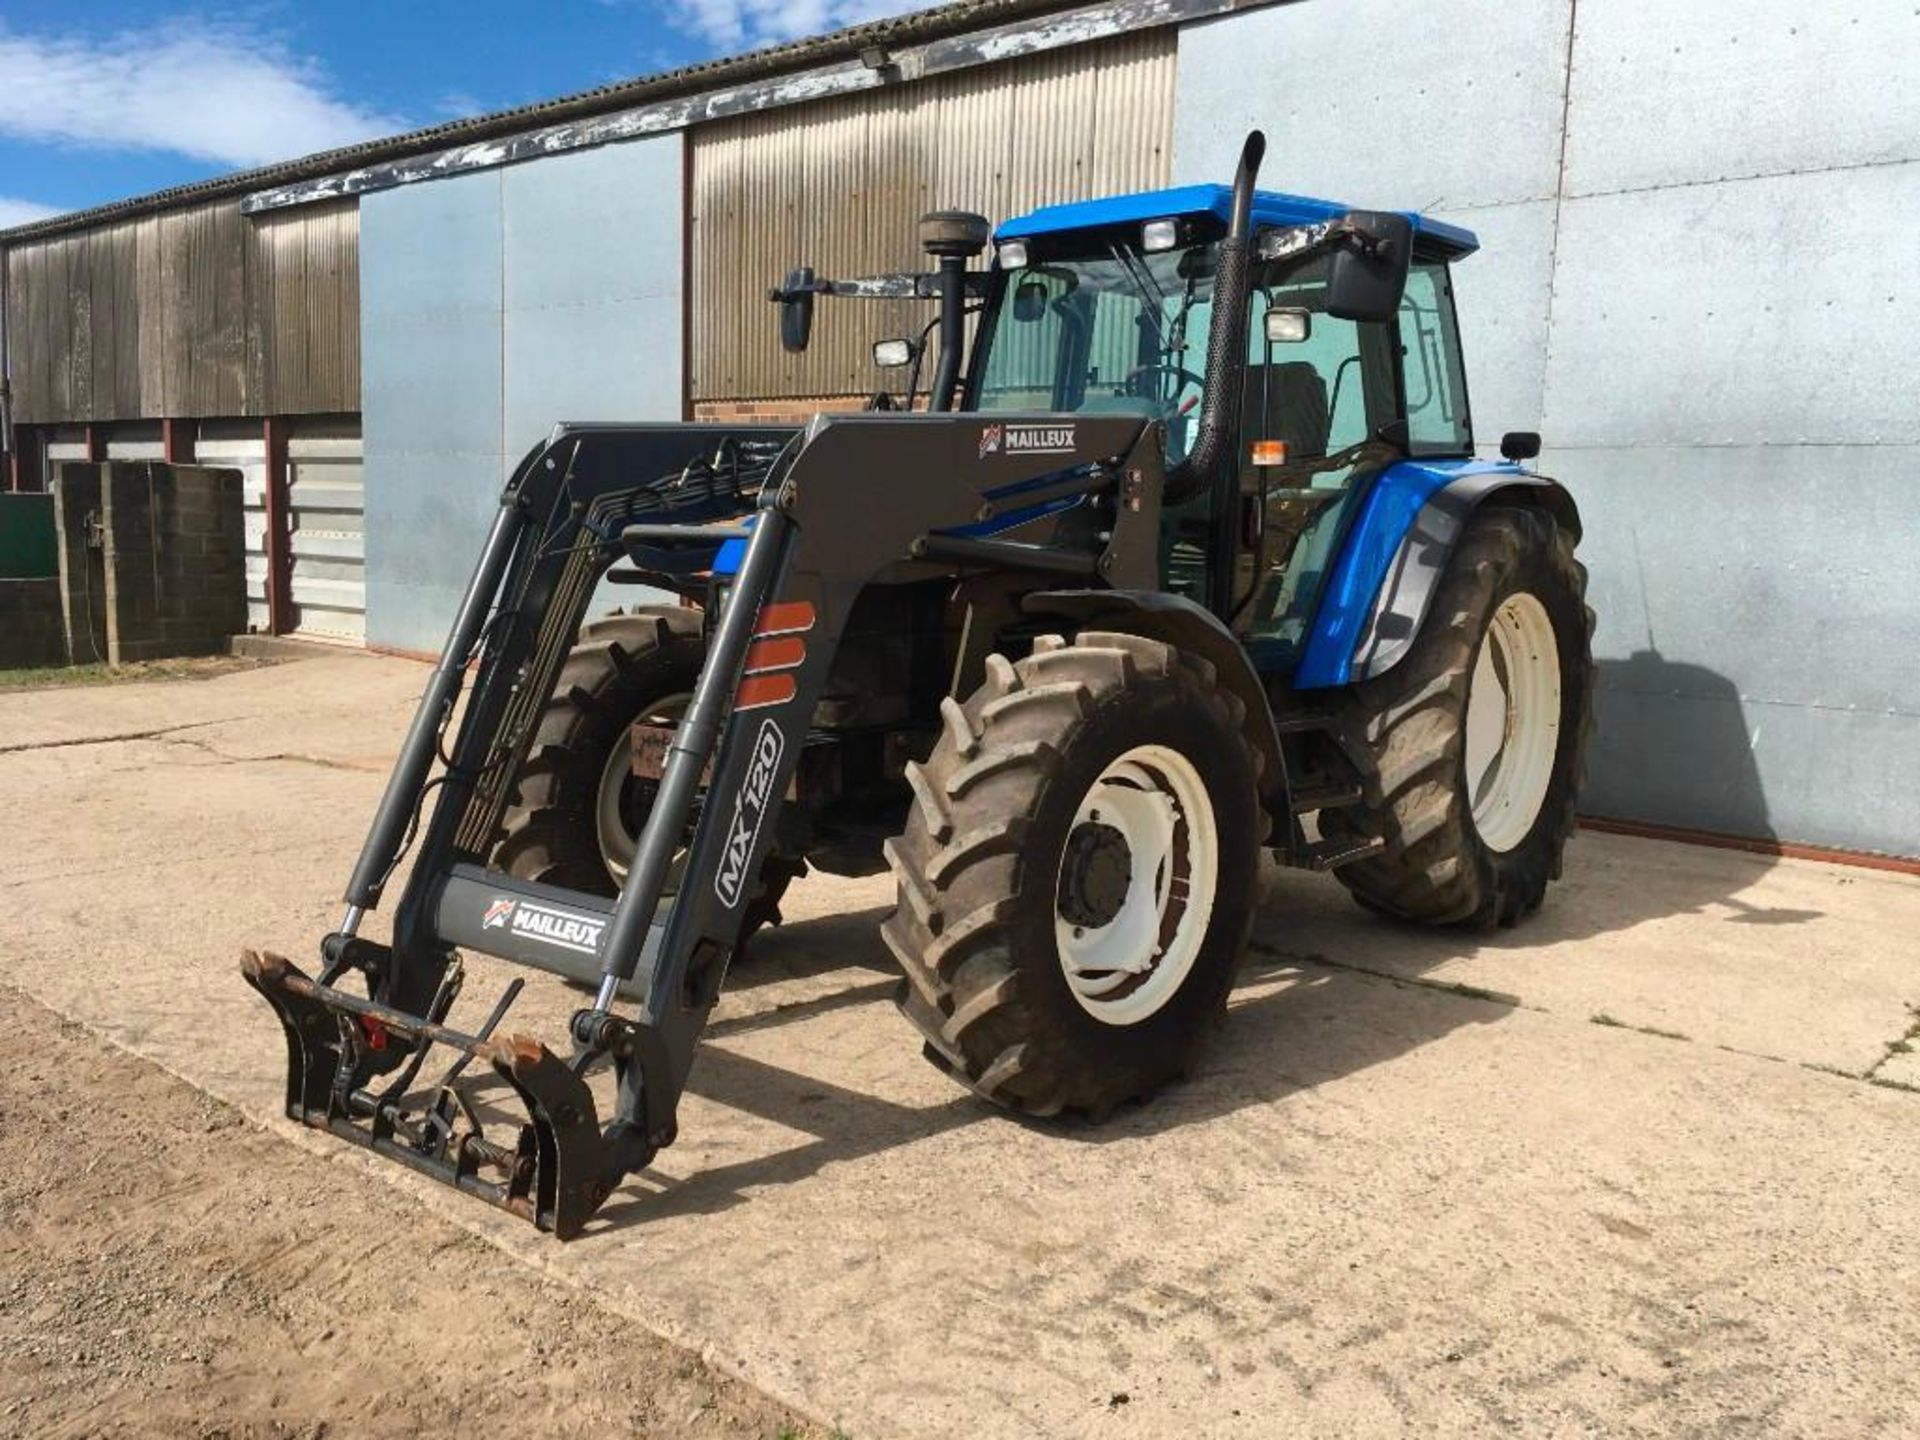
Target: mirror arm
919,355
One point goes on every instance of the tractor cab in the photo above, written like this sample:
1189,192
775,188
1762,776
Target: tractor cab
1108,307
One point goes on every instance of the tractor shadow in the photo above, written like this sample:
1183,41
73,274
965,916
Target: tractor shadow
1325,991
1295,1022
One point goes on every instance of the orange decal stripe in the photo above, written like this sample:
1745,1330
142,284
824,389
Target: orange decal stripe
782,652
758,690
785,618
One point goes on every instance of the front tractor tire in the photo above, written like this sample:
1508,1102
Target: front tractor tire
1471,750
577,807
1078,874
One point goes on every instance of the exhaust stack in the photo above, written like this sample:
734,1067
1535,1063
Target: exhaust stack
1227,343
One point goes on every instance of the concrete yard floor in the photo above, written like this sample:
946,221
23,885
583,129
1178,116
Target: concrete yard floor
1643,1166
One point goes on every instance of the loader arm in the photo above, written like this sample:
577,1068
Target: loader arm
819,531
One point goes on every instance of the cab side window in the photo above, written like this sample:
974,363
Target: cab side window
1437,418
1321,394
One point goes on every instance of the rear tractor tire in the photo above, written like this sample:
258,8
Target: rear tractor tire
1078,874
577,808
1471,750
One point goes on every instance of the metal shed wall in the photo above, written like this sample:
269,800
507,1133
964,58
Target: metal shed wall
496,304
199,312
1697,283
840,185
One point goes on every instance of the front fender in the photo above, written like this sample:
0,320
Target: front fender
1382,584
1178,621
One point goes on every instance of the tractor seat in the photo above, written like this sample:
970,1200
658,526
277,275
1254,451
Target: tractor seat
1287,402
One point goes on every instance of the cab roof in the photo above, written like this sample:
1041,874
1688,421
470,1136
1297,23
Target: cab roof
1269,208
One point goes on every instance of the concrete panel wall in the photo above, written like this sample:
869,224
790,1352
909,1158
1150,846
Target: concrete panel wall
175,557
493,306
1698,283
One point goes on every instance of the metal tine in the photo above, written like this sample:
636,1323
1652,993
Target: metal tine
465,1103
499,1012
438,1123
443,998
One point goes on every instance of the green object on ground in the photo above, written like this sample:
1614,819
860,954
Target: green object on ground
28,550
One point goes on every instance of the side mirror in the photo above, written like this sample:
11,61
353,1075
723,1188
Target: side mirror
1368,272
892,354
796,310
1029,301
1520,445
1288,326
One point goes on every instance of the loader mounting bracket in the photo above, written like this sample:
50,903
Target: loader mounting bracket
556,1173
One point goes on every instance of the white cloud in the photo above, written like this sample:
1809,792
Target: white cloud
212,91
734,25
23,212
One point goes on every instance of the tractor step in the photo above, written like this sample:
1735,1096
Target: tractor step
1332,854
1334,796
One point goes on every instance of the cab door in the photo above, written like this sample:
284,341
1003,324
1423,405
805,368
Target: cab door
1318,409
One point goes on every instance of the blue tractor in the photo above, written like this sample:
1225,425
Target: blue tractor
1184,561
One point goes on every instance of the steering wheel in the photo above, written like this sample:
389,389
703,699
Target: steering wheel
1180,372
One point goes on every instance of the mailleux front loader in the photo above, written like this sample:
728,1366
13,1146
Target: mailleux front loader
1189,559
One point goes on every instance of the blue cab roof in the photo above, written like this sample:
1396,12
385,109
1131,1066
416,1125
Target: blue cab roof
1269,208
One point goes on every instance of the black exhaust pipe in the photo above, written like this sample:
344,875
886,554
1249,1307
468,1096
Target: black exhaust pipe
1213,439
952,237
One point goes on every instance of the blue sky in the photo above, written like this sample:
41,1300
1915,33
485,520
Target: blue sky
103,99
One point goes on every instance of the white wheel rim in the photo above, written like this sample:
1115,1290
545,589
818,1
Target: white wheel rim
1513,722
618,839
1126,969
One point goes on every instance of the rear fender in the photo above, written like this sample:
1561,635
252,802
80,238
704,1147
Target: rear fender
1179,622
1383,583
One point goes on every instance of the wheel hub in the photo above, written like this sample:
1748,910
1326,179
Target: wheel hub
623,798
1513,721
1136,885
1094,874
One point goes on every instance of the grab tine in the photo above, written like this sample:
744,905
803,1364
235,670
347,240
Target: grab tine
494,1017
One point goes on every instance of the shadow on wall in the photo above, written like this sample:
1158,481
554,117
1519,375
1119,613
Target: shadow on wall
1672,746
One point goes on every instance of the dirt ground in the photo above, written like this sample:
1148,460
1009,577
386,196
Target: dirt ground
167,1268
1646,1166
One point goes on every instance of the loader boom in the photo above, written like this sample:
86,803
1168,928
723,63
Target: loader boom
815,536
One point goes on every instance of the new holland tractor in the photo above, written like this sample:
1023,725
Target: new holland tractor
1184,560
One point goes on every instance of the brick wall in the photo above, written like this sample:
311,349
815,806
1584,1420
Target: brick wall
776,411
83,570
167,575
176,559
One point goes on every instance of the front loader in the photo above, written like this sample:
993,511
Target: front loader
1186,562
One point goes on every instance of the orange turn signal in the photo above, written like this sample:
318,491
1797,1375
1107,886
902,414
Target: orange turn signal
1269,452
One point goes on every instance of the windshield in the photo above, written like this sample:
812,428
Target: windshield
1120,332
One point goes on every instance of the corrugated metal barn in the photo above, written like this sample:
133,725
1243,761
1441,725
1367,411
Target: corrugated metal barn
1696,283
